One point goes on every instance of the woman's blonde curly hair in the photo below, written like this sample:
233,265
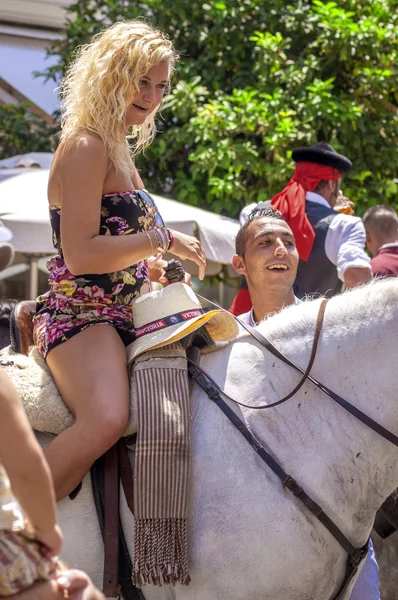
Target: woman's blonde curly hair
102,80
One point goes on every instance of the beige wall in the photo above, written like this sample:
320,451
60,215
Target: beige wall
43,13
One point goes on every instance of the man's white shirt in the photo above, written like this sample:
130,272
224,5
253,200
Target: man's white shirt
248,319
345,240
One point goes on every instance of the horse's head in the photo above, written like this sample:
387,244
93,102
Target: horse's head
346,466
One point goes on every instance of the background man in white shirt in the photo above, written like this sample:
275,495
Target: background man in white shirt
331,245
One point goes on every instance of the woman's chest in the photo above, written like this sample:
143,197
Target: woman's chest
128,212
121,182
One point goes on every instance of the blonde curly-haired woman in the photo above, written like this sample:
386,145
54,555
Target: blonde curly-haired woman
105,228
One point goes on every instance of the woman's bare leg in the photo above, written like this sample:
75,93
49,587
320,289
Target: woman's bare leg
80,587
90,371
46,590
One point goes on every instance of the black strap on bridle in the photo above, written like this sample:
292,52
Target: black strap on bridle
368,421
318,327
355,555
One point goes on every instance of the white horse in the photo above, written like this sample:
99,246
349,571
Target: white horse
249,537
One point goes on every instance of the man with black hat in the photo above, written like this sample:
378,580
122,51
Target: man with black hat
331,245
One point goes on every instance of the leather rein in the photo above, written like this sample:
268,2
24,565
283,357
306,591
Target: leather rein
214,392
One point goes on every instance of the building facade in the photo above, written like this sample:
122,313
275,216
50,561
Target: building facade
27,27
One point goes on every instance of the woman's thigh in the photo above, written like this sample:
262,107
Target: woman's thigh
90,370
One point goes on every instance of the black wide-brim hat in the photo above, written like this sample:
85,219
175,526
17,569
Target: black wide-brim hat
322,154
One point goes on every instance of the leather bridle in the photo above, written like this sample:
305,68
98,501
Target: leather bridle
214,392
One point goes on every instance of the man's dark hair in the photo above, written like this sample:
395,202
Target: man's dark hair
381,220
255,215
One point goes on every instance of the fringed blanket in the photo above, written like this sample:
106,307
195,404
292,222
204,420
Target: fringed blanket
162,467
162,464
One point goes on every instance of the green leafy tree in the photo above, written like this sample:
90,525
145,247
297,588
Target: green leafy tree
257,79
21,131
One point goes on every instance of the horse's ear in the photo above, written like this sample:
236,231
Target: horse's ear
238,264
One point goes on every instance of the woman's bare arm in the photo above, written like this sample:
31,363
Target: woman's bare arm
24,461
82,169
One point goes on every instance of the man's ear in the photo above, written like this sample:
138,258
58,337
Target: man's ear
238,264
331,186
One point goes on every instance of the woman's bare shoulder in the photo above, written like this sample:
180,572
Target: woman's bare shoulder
79,160
83,147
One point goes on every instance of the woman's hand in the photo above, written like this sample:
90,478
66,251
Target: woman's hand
77,585
165,282
156,269
189,248
52,540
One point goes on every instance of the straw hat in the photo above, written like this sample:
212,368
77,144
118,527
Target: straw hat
169,314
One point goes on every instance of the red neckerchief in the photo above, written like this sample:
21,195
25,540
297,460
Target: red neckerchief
291,202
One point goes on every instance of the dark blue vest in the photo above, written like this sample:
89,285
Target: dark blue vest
318,275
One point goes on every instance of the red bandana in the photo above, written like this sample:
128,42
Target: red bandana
291,202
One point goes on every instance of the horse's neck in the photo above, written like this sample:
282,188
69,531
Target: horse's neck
340,462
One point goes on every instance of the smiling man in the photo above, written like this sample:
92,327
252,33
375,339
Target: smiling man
266,255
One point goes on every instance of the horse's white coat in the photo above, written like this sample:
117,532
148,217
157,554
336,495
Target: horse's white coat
249,538
82,546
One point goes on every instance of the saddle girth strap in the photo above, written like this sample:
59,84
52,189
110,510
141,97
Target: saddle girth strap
111,523
356,555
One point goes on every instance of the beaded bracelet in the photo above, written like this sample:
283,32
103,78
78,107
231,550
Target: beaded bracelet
162,235
147,233
164,239
169,236
160,240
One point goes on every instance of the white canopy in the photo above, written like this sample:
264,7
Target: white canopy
29,160
24,210
24,163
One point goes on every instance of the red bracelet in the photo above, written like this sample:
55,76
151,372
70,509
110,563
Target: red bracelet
171,239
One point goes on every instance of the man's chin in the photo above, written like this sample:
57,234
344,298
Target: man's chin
279,280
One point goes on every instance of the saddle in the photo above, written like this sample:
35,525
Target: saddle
105,475
21,326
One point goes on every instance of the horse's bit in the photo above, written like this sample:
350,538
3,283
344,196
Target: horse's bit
213,391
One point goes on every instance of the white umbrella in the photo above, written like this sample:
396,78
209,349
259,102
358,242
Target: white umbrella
24,163
24,210
30,160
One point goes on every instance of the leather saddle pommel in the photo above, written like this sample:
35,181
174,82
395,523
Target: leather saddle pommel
21,326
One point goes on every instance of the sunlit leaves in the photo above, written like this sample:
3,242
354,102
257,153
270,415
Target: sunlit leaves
257,79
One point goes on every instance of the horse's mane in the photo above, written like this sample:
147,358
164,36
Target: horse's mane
345,312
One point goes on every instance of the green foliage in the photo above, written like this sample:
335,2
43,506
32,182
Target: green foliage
22,131
257,79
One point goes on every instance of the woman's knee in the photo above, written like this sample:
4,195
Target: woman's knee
104,429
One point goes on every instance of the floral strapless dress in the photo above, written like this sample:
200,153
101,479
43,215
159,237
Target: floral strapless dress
74,303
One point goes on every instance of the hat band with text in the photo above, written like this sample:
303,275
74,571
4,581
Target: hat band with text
181,317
